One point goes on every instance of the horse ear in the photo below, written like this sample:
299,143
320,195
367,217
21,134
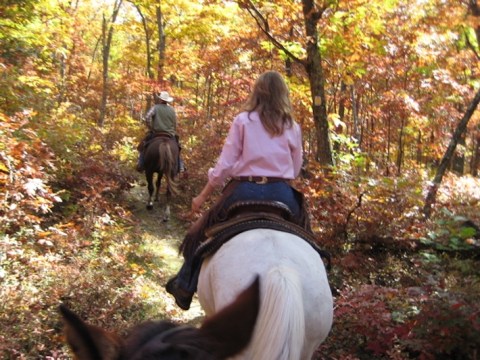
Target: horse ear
232,327
89,342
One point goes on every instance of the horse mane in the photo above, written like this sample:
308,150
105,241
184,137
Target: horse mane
141,334
168,341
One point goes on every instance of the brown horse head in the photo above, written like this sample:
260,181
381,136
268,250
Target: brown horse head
223,335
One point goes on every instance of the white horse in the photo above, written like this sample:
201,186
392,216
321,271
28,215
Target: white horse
296,305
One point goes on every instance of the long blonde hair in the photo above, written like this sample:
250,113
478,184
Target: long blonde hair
270,99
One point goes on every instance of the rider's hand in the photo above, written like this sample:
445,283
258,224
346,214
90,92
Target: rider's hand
197,203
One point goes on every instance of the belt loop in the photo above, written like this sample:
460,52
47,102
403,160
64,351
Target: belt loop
250,178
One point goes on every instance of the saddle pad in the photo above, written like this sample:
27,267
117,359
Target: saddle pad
221,233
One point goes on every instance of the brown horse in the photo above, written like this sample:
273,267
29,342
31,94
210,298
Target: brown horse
161,157
221,336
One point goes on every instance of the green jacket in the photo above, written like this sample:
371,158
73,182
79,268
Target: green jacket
162,117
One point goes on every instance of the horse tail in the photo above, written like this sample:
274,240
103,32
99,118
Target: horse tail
168,162
280,329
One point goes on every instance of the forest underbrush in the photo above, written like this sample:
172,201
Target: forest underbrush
404,287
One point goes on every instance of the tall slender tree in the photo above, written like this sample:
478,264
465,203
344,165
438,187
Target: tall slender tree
161,45
107,35
459,130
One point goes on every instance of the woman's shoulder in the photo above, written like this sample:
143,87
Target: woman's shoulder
295,129
247,116
293,126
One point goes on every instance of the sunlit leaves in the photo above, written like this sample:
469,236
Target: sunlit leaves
27,194
294,48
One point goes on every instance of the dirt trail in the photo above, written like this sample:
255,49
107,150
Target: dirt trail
159,247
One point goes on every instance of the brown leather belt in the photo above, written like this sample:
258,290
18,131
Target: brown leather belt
259,179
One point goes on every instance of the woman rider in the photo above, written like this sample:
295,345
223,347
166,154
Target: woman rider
262,153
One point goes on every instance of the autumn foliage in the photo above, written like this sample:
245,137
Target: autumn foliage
396,78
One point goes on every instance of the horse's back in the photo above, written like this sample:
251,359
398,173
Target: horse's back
264,252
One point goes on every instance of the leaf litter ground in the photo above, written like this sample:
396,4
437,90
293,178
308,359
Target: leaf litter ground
158,245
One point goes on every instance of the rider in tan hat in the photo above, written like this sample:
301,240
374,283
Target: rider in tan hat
161,118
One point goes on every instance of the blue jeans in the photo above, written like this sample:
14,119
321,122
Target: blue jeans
275,191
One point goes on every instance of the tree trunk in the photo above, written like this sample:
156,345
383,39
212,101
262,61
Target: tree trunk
475,11
389,141
356,122
462,125
458,162
288,60
106,44
341,115
419,156
476,153
161,44
148,70
341,103
103,105
313,66
401,146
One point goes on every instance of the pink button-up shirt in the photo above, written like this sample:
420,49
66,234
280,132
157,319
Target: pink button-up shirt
250,150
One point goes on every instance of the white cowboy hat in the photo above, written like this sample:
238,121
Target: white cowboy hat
165,96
